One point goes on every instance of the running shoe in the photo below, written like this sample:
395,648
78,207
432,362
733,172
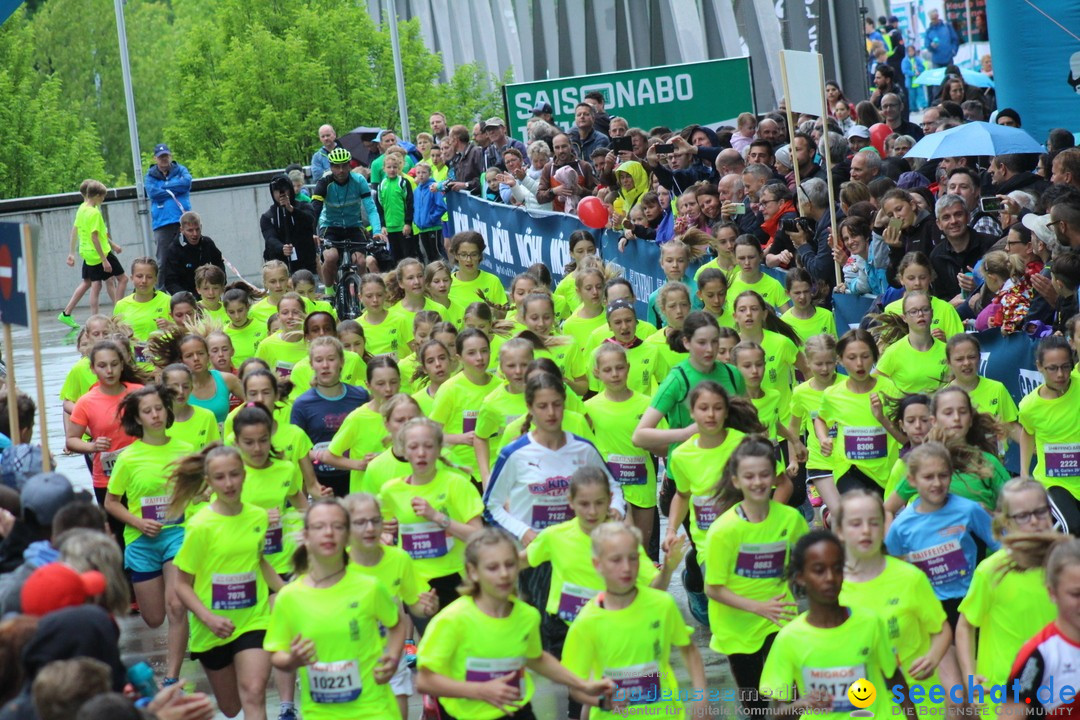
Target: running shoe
410,653
814,495
287,714
68,320
698,603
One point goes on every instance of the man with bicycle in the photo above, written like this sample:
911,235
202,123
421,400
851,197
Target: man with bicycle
337,201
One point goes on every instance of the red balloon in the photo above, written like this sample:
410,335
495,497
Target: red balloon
878,133
593,213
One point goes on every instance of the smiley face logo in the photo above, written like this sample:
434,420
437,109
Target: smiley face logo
862,693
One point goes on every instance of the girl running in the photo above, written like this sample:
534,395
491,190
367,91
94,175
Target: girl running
409,275
712,291
458,402
750,259
151,537
423,323
245,332
588,281
388,465
434,370
673,299
321,324
824,651
470,283
385,333
330,623
775,417
913,358
606,638
224,580
210,388
146,309
744,552
567,293
755,322
805,316
898,591
283,349
275,277
915,275
618,288
1007,602
538,311
438,279
866,443
504,404
963,353
474,654
434,507
937,533
643,371
805,406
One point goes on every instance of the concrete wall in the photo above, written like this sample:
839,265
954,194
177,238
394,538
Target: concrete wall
230,216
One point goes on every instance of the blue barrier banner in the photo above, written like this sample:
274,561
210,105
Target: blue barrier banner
517,238
850,309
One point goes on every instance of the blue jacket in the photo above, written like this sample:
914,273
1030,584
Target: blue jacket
170,197
320,164
948,42
428,206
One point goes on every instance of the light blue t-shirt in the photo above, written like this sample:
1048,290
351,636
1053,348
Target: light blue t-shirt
942,543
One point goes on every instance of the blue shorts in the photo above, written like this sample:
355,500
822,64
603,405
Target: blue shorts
145,557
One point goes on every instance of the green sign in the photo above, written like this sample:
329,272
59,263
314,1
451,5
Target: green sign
705,92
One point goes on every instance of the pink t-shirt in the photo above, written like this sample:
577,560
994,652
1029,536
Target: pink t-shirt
100,415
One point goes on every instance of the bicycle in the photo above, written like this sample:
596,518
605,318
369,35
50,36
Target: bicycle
347,287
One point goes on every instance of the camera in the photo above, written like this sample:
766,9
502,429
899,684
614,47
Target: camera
790,225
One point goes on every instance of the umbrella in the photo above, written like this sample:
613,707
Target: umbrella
356,140
976,138
936,76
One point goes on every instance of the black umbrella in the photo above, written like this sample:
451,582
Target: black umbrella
356,142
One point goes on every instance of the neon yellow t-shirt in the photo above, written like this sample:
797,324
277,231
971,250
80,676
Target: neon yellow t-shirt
464,292
361,432
262,310
435,552
766,286
457,407
88,219
566,353
831,659
396,572
353,372
573,422
282,413
912,371
822,322
326,306
904,598
805,403
409,316
246,340
407,366
644,371
142,317
219,315
280,354
770,411
500,408
696,471
269,488
454,312
142,473
581,328
666,358
945,318
223,553
631,466
992,397
79,380
633,647
198,430
643,331
861,441
1057,437
466,644
780,356
574,580
345,622
390,337
1008,608
381,470
565,296
748,558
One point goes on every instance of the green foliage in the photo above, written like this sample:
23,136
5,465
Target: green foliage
232,85
45,148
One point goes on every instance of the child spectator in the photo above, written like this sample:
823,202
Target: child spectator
428,208
19,459
394,199
99,262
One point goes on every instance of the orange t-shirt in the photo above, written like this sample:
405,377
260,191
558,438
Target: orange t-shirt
100,415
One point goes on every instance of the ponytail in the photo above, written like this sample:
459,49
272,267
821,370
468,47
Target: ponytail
542,381
188,478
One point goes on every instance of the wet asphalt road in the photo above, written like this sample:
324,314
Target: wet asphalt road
141,643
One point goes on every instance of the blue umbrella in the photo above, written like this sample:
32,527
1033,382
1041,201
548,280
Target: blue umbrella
976,138
936,76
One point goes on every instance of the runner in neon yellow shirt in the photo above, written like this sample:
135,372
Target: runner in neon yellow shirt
284,349
1006,603
224,581
619,288
588,315
914,360
627,632
807,318
385,333
964,354
1049,427
458,402
275,277
474,654
152,538
567,299
644,367
897,591
435,368
914,275
673,300
146,309
538,311
329,625
805,403
245,332
713,293
755,322
772,411
438,279
469,281
824,651
353,371
750,259
362,434
504,404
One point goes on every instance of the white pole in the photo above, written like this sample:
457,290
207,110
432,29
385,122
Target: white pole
395,45
133,128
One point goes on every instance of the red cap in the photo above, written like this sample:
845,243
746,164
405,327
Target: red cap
56,586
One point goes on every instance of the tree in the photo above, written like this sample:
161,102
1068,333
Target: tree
45,148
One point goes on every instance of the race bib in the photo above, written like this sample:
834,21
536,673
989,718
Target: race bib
704,512
834,681
468,420
628,469
322,467
154,508
550,511
108,461
572,599
334,682
1062,460
425,540
233,592
485,669
283,369
942,563
761,561
636,684
139,351
274,541
865,443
